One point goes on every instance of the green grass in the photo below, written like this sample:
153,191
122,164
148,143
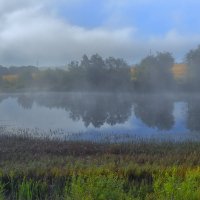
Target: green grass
2,191
96,187
171,185
44,169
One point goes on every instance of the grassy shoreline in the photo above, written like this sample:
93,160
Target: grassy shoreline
52,169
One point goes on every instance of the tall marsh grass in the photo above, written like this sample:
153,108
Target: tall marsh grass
41,169
172,185
96,188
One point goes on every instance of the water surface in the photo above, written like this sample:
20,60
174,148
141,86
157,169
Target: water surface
104,115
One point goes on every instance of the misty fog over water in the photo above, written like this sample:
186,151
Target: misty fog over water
96,116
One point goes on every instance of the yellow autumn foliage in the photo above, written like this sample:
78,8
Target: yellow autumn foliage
10,77
178,70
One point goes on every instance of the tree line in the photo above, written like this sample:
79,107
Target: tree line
152,74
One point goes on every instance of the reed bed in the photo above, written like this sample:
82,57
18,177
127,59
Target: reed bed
42,168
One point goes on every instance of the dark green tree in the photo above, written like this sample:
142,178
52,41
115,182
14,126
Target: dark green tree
193,63
154,73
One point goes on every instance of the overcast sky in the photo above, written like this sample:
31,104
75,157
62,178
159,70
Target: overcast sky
54,32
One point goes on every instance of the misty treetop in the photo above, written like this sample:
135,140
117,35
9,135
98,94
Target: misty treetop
153,73
95,73
193,63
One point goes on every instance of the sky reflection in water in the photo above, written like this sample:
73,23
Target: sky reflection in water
146,116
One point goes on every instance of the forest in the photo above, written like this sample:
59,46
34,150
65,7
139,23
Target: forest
152,74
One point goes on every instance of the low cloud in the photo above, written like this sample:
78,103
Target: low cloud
29,32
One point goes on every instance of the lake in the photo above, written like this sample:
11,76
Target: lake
97,116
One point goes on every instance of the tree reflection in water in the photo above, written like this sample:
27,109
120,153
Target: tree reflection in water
193,114
90,108
25,101
155,112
